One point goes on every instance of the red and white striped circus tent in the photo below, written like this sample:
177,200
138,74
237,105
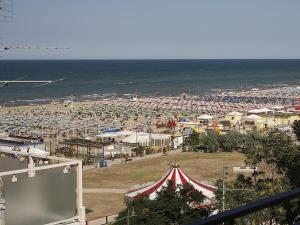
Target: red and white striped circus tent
178,177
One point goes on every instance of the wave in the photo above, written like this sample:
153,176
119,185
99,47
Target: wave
124,83
34,100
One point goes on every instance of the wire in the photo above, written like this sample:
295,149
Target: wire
141,215
187,217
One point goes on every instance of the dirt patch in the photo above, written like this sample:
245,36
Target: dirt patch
103,204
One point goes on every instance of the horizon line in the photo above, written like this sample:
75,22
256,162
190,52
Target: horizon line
142,59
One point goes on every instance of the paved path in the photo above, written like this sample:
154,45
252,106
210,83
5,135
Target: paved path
103,221
104,190
173,152
122,161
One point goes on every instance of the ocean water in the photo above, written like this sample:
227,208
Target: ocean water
143,77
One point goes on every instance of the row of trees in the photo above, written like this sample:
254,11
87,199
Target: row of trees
213,141
230,141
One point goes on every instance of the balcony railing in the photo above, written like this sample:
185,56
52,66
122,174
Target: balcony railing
229,216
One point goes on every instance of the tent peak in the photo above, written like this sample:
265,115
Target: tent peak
175,165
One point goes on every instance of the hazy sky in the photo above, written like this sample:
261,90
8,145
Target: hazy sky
138,29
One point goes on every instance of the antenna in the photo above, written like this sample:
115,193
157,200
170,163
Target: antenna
4,48
6,10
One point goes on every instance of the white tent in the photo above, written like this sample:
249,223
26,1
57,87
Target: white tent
253,117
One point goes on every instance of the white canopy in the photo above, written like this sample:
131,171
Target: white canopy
115,134
205,117
234,113
29,149
262,110
277,107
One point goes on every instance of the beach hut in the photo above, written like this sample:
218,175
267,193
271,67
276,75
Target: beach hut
184,95
282,118
178,178
177,140
234,117
254,120
148,139
205,118
189,124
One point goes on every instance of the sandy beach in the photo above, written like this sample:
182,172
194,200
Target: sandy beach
83,119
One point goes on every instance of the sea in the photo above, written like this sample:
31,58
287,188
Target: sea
88,79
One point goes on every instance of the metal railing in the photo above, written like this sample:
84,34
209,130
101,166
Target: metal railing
56,162
229,216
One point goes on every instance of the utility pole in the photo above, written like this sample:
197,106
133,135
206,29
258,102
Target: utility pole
31,166
57,141
129,211
149,132
225,173
42,134
128,216
85,129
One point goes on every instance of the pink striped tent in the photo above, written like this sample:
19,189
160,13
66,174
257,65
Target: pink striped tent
178,177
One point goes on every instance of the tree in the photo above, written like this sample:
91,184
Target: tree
293,170
273,151
279,149
296,128
253,148
247,189
194,139
230,141
280,153
139,150
210,142
170,206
